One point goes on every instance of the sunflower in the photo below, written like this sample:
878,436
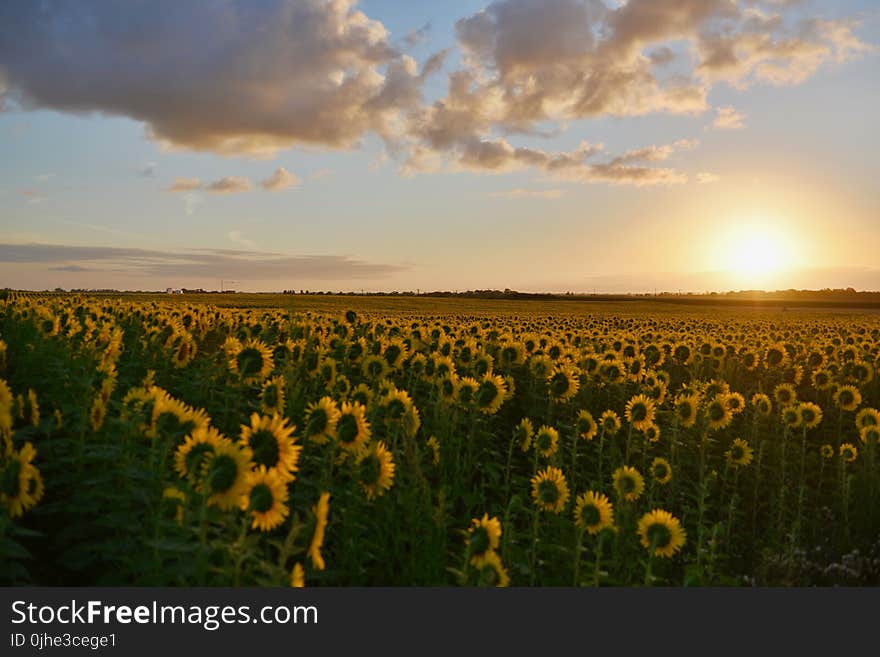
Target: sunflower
811,414
97,413
434,445
196,450
172,419
490,393
550,490
321,510
265,499
739,454
717,413
628,483
251,360
321,419
5,408
848,398
272,396
541,366
867,417
762,404
563,384
661,533
546,441
224,477
610,422
652,433
661,471
271,441
297,576
466,391
849,452
791,416
375,470
870,435
492,572
352,429
585,425
33,408
593,512
822,379
682,353
826,451
184,350
21,485
362,394
484,536
785,394
523,432
374,367
776,356
446,387
640,412
686,410
174,499
736,403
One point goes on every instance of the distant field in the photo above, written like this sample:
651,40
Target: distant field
468,305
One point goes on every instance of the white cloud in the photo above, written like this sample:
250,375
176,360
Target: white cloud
279,180
728,118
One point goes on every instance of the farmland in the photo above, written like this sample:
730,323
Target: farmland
359,441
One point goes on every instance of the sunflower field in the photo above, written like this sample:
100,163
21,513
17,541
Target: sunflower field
149,441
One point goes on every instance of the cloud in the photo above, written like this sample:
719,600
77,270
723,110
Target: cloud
281,179
237,237
230,185
320,174
148,170
707,178
418,36
728,118
184,185
253,78
234,77
196,264
33,196
518,193
72,268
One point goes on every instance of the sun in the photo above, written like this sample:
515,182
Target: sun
756,253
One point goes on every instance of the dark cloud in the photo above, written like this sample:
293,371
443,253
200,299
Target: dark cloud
194,264
230,185
229,77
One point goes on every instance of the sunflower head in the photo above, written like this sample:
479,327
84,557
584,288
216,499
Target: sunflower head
609,422
550,490
483,536
593,512
522,434
321,419
661,471
546,441
849,452
264,498
375,470
661,533
740,453
629,483
585,425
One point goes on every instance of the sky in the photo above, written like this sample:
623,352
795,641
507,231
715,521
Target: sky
538,145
